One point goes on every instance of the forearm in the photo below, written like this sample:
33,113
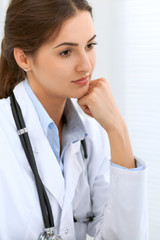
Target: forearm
121,149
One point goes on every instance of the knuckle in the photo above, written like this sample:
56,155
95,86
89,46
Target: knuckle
93,93
102,82
105,81
93,97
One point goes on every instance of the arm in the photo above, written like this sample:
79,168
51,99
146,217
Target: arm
121,150
99,103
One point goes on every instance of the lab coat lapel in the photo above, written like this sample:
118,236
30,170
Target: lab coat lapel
50,171
47,164
72,171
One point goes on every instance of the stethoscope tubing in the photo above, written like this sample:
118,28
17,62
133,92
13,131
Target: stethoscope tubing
43,198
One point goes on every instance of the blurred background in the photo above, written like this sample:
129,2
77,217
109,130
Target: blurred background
128,55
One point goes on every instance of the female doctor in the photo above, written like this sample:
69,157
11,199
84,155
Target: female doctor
56,181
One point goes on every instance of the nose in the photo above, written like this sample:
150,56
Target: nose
84,64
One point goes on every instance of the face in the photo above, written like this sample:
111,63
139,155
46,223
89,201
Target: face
69,57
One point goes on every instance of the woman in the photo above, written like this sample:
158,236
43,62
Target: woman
48,56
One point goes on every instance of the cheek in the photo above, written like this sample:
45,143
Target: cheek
49,69
93,59
60,73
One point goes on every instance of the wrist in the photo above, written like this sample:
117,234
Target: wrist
118,128
121,150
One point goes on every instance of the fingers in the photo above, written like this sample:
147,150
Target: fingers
87,101
84,103
86,110
97,100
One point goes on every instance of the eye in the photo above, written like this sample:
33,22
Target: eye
91,45
66,53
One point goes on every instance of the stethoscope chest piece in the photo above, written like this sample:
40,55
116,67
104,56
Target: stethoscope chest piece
49,234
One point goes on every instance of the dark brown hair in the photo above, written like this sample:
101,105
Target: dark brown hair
28,25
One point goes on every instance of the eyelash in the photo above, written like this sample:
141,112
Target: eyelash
91,45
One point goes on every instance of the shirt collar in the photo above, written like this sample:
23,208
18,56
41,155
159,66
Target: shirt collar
42,113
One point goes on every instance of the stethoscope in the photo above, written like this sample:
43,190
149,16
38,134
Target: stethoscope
49,232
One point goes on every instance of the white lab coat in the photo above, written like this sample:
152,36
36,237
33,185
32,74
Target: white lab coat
119,201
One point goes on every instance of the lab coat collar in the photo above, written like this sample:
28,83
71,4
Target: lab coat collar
74,120
74,129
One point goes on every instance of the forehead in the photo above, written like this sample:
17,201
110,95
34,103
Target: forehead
77,28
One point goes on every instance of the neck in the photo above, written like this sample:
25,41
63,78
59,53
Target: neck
54,108
53,105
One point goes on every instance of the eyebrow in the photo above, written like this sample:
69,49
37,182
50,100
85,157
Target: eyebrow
73,44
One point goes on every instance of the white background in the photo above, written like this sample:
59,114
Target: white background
128,55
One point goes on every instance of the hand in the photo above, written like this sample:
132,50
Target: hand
100,104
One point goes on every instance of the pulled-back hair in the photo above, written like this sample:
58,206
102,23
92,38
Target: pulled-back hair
28,25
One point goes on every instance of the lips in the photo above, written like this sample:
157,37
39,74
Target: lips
83,80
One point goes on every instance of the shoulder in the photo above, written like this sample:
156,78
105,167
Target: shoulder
5,109
7,125
4,102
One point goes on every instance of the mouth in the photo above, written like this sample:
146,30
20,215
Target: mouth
82,81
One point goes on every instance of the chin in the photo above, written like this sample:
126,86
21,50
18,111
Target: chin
80,93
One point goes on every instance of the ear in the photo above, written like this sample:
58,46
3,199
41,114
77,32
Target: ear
21,59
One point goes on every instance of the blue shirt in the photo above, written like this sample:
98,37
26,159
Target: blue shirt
73,129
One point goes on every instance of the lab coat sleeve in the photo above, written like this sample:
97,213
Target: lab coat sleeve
119,200
125,217
125,214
